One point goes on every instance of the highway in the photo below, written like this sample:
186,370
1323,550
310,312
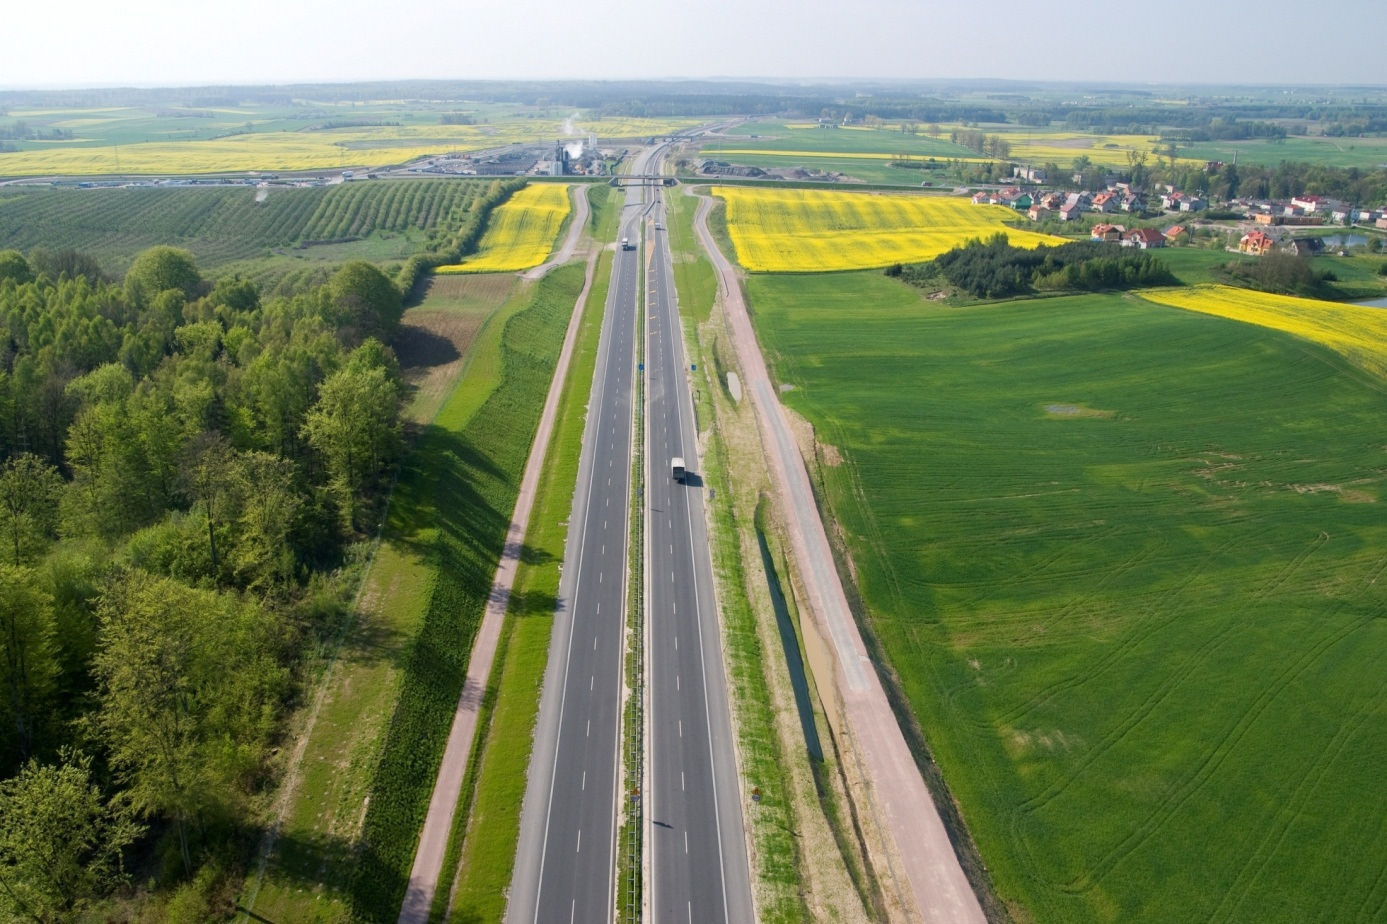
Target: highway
695,841
565,865
695,846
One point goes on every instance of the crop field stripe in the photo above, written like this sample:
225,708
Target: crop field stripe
1357,332
799,230
521,233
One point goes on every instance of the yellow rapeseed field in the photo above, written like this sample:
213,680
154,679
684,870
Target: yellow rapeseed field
369,146
520,233
811,230
1356,332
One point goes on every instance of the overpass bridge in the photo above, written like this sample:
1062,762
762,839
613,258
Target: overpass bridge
643,179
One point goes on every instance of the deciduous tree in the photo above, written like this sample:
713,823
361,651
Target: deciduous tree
187,683
29,493
28,653
60,840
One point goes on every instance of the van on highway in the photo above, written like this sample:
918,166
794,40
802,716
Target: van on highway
676,468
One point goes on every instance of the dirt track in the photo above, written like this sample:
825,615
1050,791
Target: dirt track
937,883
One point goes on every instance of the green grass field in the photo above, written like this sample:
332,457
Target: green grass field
1366,153
1127,565
799,136
866,169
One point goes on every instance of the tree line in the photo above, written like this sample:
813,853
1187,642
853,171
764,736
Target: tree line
993,268
187,473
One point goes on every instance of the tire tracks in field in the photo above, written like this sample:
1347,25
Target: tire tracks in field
1367,911
1294,565
1215,759
1292,809
1172,681
1134,638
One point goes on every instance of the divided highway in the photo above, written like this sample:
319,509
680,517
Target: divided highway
695,845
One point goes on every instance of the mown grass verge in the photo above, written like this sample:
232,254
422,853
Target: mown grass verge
486,828
463,478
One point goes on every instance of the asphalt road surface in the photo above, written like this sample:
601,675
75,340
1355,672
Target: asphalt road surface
566,860
694,832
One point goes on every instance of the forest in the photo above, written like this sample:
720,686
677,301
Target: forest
187,476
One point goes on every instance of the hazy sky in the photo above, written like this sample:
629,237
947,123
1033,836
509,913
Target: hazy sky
180,42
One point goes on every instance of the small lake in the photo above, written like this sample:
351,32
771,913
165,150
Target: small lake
1375,303
1345,240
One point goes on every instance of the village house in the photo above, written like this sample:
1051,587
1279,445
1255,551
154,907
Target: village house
1014,198
1309,204
1143,238
1133,202
1039,213
1304,246
1070,212
1106,232
1106,202
1175,234
1341,214
1256,243
983,197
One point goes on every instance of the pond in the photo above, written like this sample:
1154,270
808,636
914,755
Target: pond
1374,303
1345,240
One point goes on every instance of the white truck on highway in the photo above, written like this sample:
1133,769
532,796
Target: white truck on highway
676,468
626,244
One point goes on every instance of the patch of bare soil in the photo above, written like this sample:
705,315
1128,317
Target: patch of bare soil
483,288
1075,410
435,336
